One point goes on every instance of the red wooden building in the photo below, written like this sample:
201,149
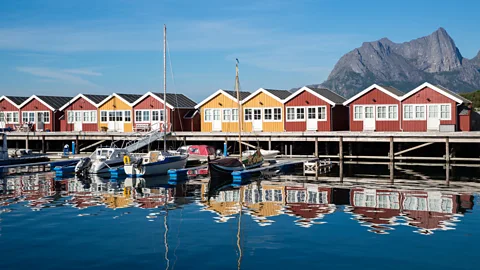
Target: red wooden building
315,109
181,112
10,111
376,108
433,108
42,112
81,113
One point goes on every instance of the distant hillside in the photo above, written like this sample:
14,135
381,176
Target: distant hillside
474,97
434,58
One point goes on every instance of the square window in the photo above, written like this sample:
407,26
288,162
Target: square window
208,115
248,115
290,113
226,115
268,114
322,113
234,114
277,114
300,114
358,112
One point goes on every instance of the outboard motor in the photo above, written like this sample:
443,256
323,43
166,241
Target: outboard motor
138,162
83,165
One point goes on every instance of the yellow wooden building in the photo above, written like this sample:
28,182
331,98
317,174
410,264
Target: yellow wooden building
219,111
263,110
115,112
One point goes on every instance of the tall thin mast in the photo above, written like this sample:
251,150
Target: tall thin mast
165,118
240,129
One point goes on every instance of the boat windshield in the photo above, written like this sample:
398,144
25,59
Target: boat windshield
104,152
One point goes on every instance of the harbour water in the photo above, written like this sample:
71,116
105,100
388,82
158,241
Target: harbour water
419,220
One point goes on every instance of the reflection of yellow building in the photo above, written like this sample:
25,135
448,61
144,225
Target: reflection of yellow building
225,205
116,201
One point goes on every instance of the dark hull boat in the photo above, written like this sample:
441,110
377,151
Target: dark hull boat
23,160
224,167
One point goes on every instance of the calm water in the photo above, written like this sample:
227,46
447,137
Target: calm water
287,223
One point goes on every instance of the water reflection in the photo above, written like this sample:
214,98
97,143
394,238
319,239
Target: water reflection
310,204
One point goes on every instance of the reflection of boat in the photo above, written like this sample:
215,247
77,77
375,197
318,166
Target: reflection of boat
196,152
101,160
267,154
155,163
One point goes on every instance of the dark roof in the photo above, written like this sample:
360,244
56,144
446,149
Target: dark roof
454,94
393,90
334,97
54,101
96,98
243,94
178,100
464,111
130,98
281,94
17,100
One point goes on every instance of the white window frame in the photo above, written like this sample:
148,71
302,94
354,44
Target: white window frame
304,113
35,116
449,111
245,115
265,114
11,113
123,113
142,118
106,117
414,112
205,114
281,114
226,112
318,112
261,114
387,112
71,116
396,112
360,107
294,114
234,119
273,114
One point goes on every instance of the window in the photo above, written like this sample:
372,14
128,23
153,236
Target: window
257,114
432,111
248,115
70,117
408,112
234,114
111,116
6,117
138,116
24,117
311,113
216,114
128,116
369,112
226,115
86,116
146,116
2,117
300,114
277,114
155,116
382,112
46,117
290,113
358,113
162,116
103,116
322,113
208,115
392,112
93,116
78,116
445,112
118,116
268,114
419,112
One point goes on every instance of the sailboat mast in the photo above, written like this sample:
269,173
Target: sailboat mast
240,129
165,118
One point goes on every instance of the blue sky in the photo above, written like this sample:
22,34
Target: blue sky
66,47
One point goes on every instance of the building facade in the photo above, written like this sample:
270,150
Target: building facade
115,112
43,113
10,111
81,113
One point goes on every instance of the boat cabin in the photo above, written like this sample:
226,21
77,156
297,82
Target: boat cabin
42,113
80,113
10,112
219,111
148,112
435,108
377,108
263,110
315,109
116,112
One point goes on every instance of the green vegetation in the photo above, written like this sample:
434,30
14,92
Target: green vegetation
474,97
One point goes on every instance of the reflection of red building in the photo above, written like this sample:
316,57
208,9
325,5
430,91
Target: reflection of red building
426,210
309,203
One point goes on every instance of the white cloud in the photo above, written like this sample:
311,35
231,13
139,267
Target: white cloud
49,75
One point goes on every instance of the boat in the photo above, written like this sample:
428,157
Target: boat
102,160
197,152
157,162
15,157
267,154
224,167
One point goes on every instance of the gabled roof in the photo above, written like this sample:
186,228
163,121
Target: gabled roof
279,95
16,101
391,91
93,99
324,94
173,100
440,89
129,99
228,93
52,102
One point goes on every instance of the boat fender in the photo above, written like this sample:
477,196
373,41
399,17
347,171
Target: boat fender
126,160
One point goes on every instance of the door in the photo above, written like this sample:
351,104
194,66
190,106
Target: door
312,119
433,119
40,123
257,120
369,119
217,122
3,120
119,122
77,123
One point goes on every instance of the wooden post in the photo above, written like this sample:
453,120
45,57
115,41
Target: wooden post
26,142
77,147
340,164
286,149
340,148
16,144
291,150
270,143
43,145
447,150
391,154
185,140
316,147
326,148
350,150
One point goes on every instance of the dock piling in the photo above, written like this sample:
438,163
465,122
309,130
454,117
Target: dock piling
43,145
340,148
447,151
316,147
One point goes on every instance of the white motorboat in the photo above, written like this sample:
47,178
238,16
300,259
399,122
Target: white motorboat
267,154
155,163
102,160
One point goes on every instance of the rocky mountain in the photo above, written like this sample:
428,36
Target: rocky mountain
434,58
